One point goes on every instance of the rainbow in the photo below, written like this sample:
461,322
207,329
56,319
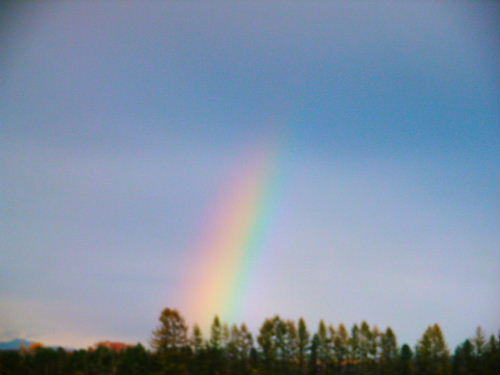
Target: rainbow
234,237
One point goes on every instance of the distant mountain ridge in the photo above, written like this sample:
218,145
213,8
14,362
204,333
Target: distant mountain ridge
15,344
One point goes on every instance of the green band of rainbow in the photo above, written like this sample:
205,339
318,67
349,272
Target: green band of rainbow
233,242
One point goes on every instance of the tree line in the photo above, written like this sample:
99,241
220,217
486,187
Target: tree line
280,347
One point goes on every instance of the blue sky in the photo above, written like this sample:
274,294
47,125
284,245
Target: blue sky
120,123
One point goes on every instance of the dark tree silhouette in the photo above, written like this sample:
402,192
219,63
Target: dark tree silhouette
282,347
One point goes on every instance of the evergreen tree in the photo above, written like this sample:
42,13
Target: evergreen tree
324,355
246,342
199,363
389,351
332,334
291,345
197,339
479,346
432,354
216,335
341,344
463,359
255,361
374,343
367,343
354,347
245,346
226,334
267,343
479,342
170,342
279,343
226,339
215,354
313,358
492,355
282,352
364,339
171,335
302,344
233,350
405,360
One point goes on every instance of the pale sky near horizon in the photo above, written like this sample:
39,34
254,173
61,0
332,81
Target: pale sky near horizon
121,121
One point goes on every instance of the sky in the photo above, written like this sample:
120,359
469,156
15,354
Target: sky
121,124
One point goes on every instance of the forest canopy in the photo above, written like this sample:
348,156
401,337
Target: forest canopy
280,346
